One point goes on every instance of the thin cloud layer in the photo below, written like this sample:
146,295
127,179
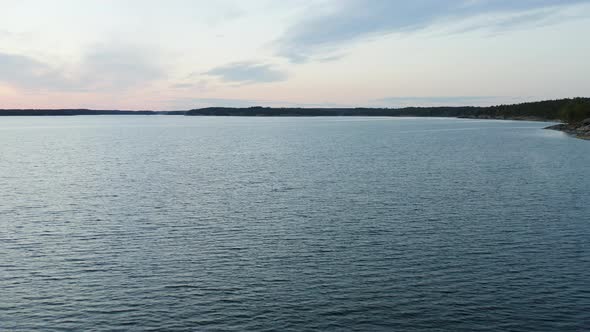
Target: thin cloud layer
248,73
327,28
140,54
26,72
119,67
103,69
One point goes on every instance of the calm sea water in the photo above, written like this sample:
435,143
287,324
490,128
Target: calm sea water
292,224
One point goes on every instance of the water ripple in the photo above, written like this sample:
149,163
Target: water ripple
292,224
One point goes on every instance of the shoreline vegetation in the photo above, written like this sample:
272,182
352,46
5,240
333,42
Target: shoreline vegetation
573,113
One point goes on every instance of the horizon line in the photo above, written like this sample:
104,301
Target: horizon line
284,107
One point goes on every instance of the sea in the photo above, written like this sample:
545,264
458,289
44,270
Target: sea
174,223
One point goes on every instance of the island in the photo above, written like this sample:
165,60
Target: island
572,113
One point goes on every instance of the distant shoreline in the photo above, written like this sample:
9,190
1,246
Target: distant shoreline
51,113
548,110
77,112
56,113
543,111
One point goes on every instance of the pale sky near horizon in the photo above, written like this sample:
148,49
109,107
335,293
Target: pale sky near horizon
182,54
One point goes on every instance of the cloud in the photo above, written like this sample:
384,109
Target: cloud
326,28
105,68
201,85
182,86
498,24
248,73
115,67
26,72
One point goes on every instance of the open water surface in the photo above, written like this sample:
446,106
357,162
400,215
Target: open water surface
292,224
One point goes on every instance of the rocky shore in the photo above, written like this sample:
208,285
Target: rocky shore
579,130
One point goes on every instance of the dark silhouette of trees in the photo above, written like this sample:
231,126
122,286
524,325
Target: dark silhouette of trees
575,111
568,110
543,110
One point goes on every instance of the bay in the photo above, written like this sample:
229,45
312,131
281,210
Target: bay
292,224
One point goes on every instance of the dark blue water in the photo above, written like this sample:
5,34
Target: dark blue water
292,224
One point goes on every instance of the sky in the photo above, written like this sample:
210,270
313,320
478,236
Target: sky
183,54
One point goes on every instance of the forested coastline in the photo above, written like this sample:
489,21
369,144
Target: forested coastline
81,111
563,110
549,110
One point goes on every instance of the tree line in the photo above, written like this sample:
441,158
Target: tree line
567,110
